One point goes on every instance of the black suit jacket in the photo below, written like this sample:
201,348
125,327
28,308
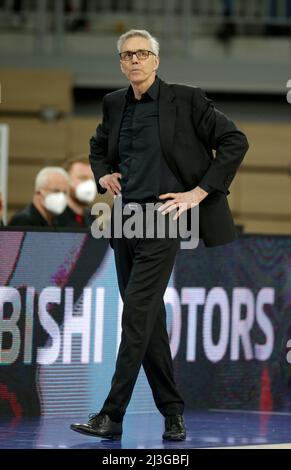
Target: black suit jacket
190,129
29,217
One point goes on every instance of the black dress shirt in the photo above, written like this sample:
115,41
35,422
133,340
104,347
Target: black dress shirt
145,173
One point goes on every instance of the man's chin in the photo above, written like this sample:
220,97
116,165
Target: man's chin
136,78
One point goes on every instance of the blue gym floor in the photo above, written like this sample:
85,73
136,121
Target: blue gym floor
144,431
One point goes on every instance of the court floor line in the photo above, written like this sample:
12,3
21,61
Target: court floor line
259,446
279,413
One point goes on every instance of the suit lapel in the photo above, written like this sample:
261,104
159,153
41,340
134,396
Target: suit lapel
167,121
116,123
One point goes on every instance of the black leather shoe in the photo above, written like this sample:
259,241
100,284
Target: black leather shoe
100,425
175,429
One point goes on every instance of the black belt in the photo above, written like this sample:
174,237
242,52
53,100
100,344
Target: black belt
137,204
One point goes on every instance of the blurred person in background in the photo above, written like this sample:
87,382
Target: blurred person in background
227,30
156,142
17,18
49,199
82,193
77,10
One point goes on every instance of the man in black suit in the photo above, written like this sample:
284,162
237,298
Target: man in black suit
155,144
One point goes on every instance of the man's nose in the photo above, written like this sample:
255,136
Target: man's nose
134,58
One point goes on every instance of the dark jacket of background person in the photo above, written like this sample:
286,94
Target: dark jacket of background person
30,217
70,219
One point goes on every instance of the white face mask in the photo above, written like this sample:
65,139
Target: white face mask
55,202
86,191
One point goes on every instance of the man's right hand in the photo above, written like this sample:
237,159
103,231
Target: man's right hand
111,183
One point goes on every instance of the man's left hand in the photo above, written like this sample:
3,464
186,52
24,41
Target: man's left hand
182,201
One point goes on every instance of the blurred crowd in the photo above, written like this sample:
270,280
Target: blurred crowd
77,14
75,11
62,197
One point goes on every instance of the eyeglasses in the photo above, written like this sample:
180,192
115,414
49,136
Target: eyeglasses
141,54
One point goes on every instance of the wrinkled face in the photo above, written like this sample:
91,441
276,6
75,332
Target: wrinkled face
78,173
139,70
56,183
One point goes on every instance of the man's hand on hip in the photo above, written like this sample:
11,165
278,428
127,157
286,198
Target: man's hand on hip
111,183
182,201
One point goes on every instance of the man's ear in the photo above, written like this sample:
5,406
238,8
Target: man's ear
39,192
157,63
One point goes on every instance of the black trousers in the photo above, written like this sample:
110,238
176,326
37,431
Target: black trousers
143,267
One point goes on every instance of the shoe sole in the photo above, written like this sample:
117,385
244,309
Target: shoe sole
114,437
178,438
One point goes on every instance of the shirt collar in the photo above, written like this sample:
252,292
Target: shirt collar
152,92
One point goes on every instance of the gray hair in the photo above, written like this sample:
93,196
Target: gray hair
42,176
143,34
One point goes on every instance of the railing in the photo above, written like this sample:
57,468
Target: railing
159,16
